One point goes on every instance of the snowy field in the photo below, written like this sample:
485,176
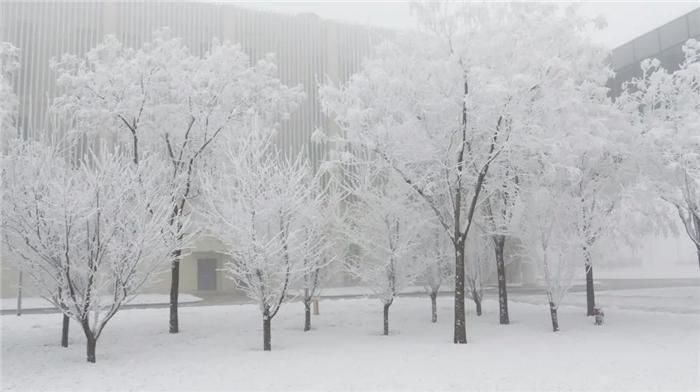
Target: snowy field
219,348
654,270
141,299
671,300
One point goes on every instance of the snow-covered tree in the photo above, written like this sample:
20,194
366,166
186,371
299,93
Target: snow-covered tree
665,109
549,232
598,141
255,202
81,232
598,191
9,63
479,266
436,254
161,98
441,107
384,226
500,215
320,223
568,176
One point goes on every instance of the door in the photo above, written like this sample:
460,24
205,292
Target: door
206,274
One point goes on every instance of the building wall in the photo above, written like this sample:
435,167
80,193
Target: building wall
663,43
308,50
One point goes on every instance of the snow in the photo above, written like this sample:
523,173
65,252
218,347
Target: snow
366,291
671,300
658,270
141,299
220,347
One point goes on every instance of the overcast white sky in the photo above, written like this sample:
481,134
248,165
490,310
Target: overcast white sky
626,20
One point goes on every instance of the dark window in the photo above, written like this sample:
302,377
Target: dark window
206,274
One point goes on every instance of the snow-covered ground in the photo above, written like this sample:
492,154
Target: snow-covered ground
671,300
366,291
649,271
141,299
219,348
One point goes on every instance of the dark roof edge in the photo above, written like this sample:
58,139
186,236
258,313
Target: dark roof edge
657,28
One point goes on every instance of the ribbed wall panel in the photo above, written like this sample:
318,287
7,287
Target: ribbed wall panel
308,50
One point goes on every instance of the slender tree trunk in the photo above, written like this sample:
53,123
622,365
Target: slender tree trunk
91,341
307,314
64,331
433,301
460,326
553,313
696,222
91,346
590,293
19,292
477,302
174,291
499,242
267,333
135,140
386,318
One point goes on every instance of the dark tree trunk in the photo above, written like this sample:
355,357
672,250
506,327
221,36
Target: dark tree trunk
91,346
19,292
135,139
590,293
696,223
307,314
433,301
91,341
174,291
460,330
64,331
460,327
499,242
386,319
553,313
267,336
477,302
